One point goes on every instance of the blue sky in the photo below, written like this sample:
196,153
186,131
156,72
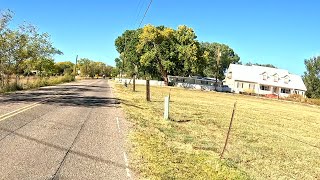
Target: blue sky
283,33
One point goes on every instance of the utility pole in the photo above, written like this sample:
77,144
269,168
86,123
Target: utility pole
217,64
75,67
124,55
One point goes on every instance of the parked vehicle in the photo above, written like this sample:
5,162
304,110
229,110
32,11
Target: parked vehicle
223,88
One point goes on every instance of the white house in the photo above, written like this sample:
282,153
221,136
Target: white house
263,80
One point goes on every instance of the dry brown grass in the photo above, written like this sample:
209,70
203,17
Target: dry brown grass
34,82
270,139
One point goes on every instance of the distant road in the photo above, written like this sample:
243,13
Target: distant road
69,131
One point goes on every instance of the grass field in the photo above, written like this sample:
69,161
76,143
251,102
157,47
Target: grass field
270,139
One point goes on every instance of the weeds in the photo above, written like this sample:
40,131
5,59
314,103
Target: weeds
36,83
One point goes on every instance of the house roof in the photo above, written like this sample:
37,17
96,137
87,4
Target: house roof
255,74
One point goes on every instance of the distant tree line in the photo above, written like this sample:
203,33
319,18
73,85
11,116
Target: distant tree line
264,65
92,68
25,51
156,52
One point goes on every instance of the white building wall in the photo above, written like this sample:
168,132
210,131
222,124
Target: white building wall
140,81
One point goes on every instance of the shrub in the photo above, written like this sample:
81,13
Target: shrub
249,92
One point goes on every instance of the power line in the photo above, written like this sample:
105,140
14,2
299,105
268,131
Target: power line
145,13
139,9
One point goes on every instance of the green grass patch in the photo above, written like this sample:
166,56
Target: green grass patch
269,139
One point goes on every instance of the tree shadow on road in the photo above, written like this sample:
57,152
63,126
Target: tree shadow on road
64,96
61,148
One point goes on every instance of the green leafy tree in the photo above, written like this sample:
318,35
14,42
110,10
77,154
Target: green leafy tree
218,58
84,65
92,68
157,52
156,44
311,77
63,68
22,49
187,46
126,46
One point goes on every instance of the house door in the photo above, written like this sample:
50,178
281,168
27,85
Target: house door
275,90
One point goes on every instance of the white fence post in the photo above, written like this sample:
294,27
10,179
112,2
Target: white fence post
166,108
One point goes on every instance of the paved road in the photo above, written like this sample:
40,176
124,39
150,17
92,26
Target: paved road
70,131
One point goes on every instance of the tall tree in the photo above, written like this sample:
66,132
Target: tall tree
66,67
218,58
126,45
84,65
161,51
188,52
311,77
156,44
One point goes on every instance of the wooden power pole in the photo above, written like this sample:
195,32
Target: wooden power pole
75,67
217,64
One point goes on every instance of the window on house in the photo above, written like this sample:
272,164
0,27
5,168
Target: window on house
276,78
265,76
251,86
285,91
240,85
264,88
286,79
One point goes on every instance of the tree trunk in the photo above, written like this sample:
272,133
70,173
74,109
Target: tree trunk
163,72
165,78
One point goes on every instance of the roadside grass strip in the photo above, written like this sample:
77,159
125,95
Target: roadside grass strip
269,139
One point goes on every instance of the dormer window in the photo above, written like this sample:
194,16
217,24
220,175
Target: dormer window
276,77
286,79
264,76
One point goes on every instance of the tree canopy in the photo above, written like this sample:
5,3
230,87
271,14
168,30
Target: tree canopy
92,68
264,65
23,49
156,52
311,77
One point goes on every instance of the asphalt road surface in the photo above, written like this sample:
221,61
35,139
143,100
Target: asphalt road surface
69,131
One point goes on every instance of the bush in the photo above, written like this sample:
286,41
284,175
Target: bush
249,92
296,97
314,101
299,98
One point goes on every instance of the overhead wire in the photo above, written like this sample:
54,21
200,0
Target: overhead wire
139,9
145,13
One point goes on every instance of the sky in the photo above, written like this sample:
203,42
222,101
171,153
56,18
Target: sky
283,33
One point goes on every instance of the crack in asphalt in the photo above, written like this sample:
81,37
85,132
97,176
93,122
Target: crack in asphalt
56,175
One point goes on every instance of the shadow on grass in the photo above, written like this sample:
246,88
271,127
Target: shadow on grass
122,101
180,121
